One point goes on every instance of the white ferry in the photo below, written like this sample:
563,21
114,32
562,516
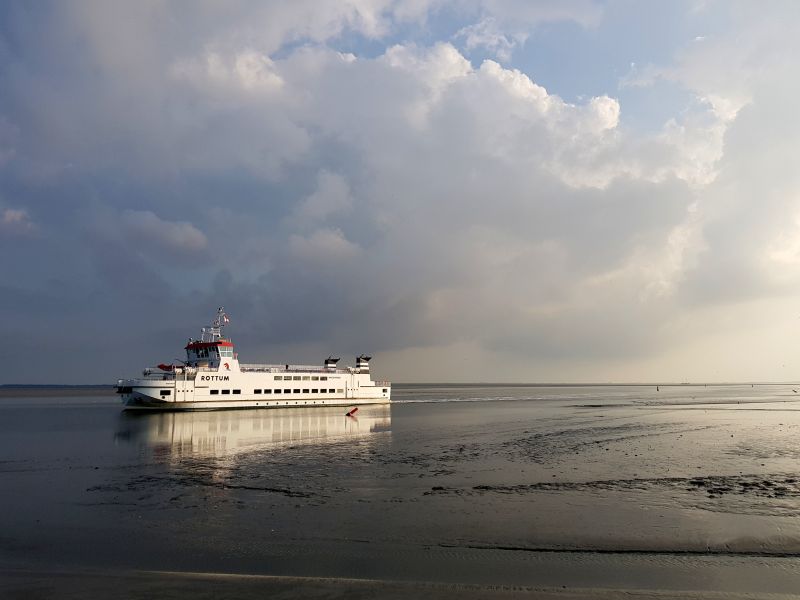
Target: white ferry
212,377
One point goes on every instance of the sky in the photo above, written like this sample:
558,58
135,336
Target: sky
467,190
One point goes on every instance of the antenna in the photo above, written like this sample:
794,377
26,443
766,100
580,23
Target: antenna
214,332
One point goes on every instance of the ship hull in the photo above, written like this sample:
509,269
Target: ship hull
235,389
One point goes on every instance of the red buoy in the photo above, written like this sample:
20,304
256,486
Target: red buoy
352,412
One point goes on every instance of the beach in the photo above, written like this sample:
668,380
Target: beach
684,490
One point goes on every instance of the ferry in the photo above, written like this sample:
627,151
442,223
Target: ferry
212,378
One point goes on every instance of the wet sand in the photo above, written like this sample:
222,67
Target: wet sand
167,585
511,490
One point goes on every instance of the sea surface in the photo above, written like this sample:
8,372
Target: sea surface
681,488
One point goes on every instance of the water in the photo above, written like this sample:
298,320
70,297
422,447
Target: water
684,488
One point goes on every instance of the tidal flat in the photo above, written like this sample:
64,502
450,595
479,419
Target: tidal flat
468,490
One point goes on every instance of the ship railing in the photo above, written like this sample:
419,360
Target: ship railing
156,374
288,368
383,383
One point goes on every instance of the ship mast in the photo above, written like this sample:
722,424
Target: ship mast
214,332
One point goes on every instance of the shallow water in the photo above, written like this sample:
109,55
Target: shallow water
684,488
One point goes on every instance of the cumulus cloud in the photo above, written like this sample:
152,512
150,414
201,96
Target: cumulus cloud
486,34
586,13
325,246
16,221
331,196
249,70
404,199
168,240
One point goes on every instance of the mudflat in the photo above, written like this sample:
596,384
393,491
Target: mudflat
680,491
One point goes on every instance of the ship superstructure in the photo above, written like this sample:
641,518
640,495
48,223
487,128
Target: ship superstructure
212,377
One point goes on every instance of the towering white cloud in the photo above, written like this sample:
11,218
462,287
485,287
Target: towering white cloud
345,180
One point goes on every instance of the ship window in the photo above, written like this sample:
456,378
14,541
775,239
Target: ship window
339,391
214,392
237,391
333,391
165,392
297,391
296,377
385,390
306,378
315,391
226,391
278,377
277,391
323,379
256,391
305,391
315,378
267,391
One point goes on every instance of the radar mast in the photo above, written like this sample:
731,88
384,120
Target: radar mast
213,333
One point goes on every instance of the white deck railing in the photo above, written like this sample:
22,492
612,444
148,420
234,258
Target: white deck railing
289,368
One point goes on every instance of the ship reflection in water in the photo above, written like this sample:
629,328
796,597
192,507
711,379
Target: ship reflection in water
226,432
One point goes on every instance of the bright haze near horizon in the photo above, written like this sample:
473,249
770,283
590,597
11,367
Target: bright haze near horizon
473,190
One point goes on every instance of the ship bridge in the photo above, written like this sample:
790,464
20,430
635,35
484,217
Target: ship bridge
212,347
